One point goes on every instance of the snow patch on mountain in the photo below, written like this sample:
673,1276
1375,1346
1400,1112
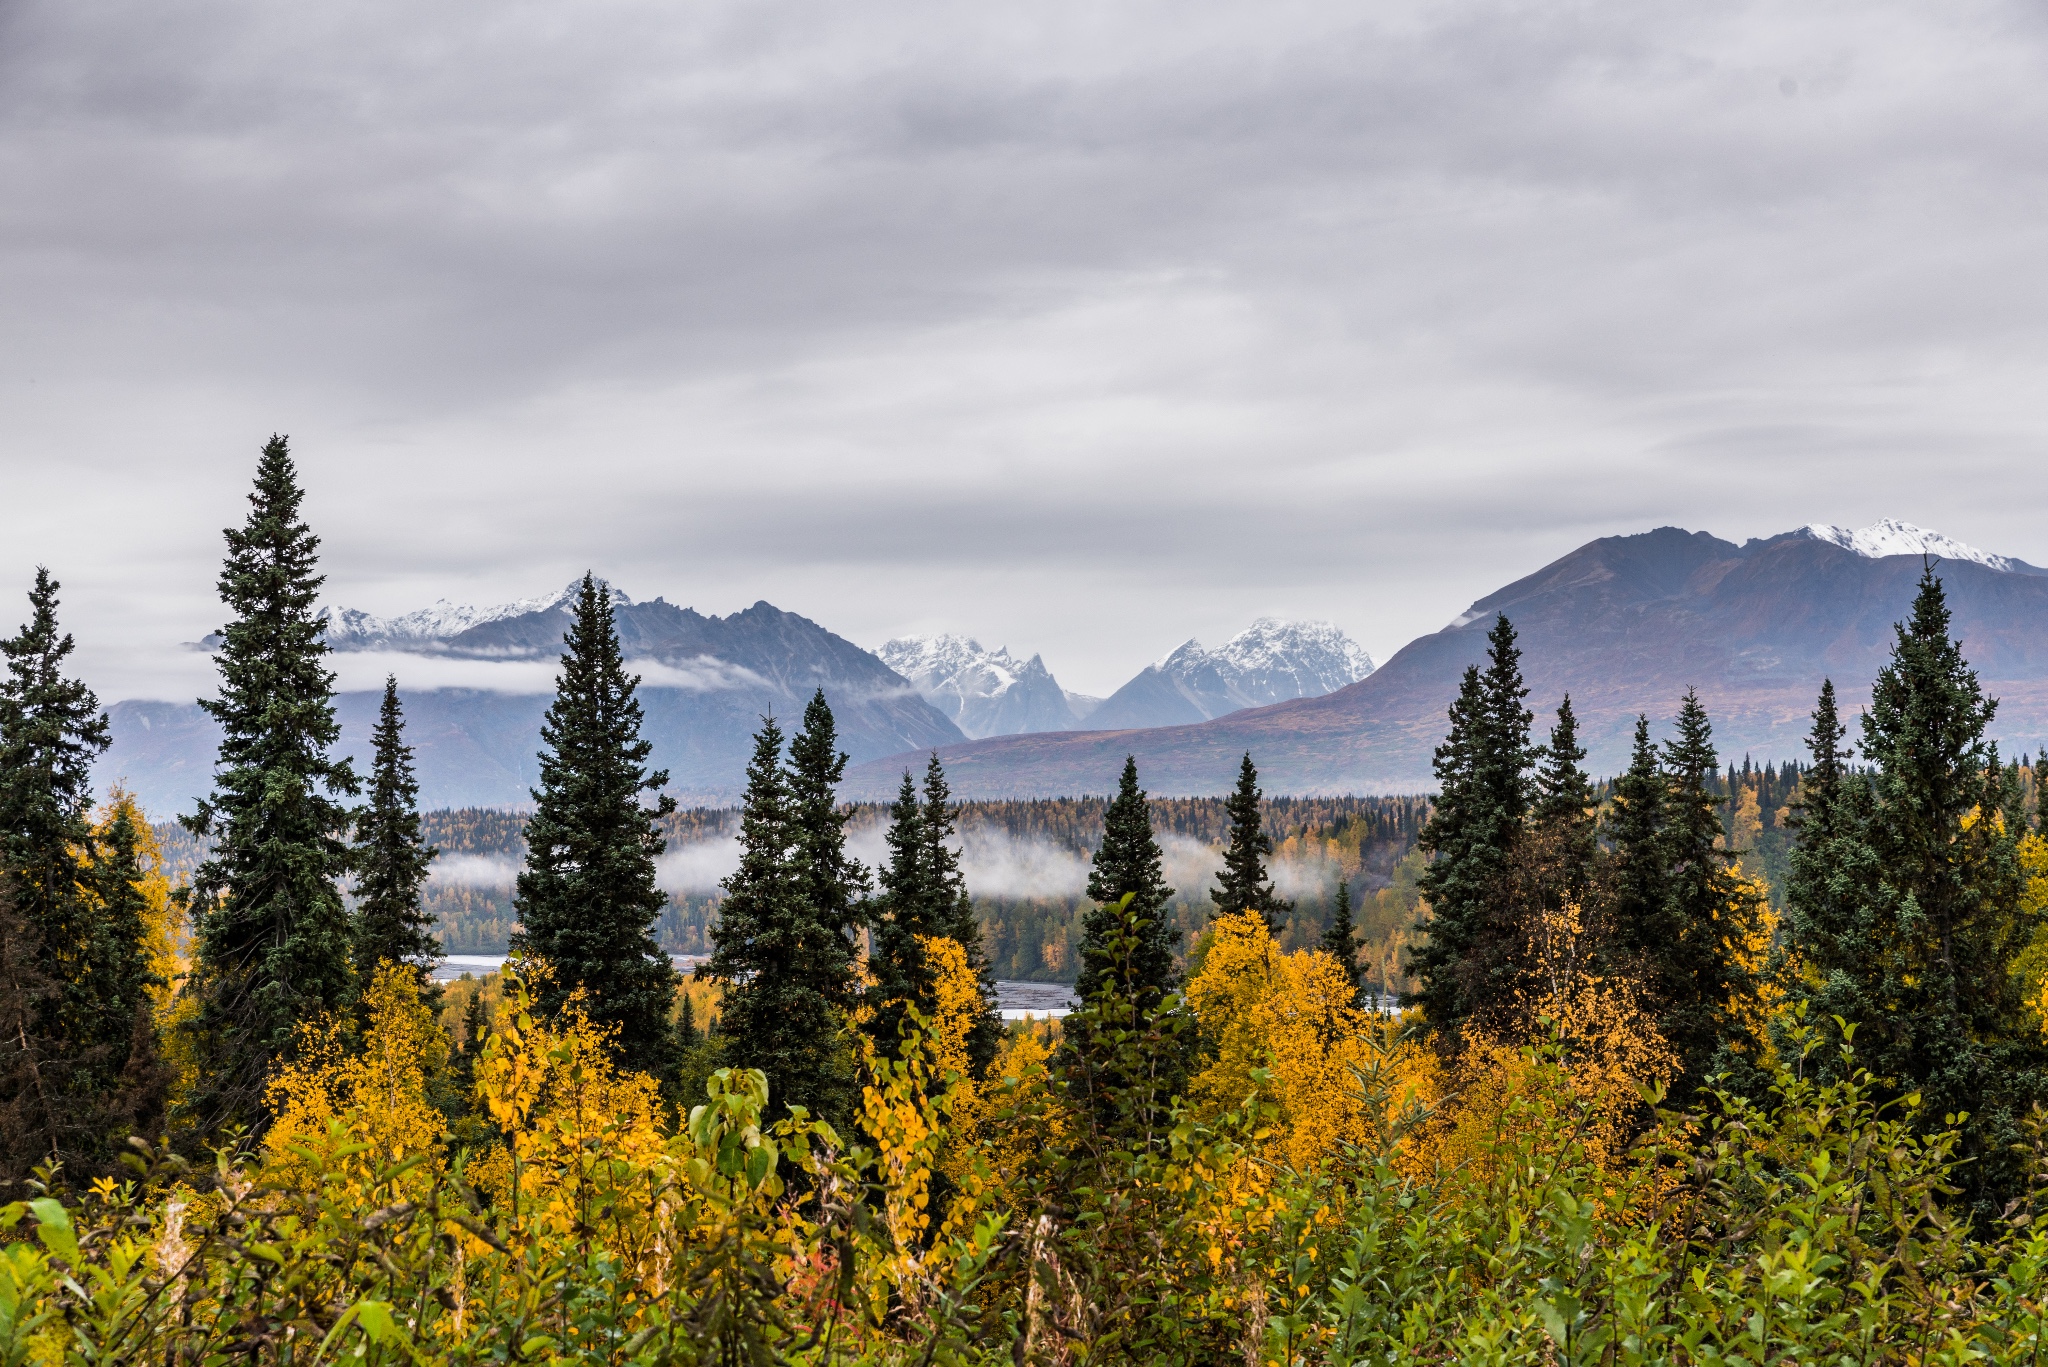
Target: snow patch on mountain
1272,660
985,692
349,629
1893,537
1316,656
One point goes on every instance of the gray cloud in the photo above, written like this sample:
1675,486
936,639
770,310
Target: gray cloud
1083,328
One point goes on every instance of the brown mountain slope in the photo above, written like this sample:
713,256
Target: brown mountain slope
1625,624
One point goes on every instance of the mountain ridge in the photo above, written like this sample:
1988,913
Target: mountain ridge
1624,624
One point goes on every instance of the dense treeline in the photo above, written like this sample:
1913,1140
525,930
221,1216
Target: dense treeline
1638,1111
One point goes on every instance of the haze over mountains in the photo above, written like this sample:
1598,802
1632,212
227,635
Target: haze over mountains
1625,624
706,683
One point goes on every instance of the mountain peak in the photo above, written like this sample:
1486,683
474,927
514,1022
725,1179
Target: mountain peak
349,629
1272,660
1890,536
985,692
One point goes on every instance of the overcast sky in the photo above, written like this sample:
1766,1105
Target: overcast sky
1080,327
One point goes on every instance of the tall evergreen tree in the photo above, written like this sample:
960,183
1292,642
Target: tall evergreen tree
391,858
1830,866
1340,941
273,936
1242,884
1474,929
1562,816
587,899
1128,863
781,1011
834,886
77,1069
1638,872
51,731
1928,911
924,894
1696,977
123,1015
902,912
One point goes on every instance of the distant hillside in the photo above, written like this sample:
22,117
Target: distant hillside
1625,624
709,680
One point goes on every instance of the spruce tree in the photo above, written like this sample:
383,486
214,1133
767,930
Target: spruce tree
781,1009
273,936
80,1070
1562,817
1695,977
834,886
122,1014
1638,872
1830,867
1242,884
1128,863
391,858
1921,959
51,731
924,894
1340,941
902,911
587,898
1475,930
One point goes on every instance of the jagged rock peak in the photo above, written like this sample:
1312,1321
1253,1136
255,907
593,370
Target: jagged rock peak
985,692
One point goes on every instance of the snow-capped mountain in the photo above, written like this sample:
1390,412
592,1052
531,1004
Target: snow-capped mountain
706,682
349,629
1889,536
985,692
1270,661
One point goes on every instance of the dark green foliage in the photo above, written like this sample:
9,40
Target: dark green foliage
391,858
832,886
1128,865
1475,931
901,912
1563,826
117,1009
274,939
1908,910
1124,1057
51,731
1637,873
79,1069
1692,972
1242,884
924,894
587,897
1340,941
785,987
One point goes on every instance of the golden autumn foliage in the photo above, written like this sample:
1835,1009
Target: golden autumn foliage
337,1107
1613,1059
1291,1017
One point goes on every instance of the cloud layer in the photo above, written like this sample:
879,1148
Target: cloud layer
1082,328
